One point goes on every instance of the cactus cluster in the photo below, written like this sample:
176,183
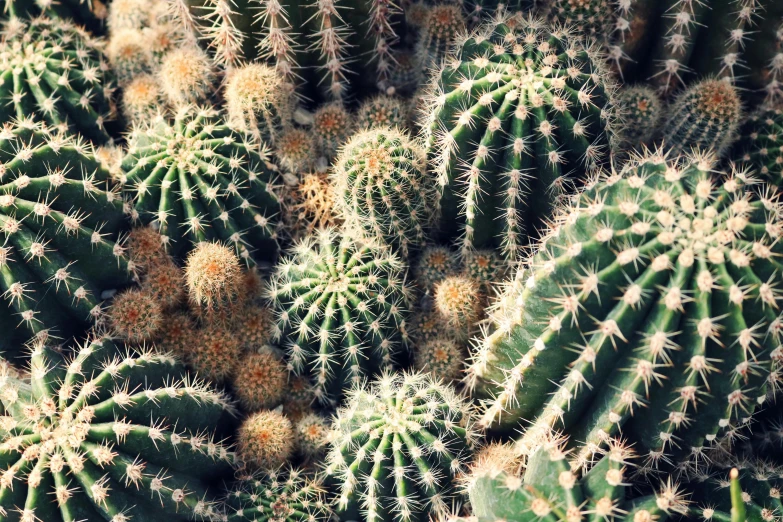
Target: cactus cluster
760,146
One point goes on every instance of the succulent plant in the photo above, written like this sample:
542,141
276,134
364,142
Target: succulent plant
440,26
265,440
643,112
381,111
519,109
589,16
90,14
760,146
656,288
341,308
434,264
311,206
312,436
199,180
135,316
458,300
259,381
55,72
111,434
443,357
186,76
396,448
332,126
61,221
381,188
256,101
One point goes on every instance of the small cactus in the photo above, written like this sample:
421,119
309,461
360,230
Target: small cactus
259,381
312,205
589,16
255,326
312,434
90,15
215,353
141,98
213,276
296,151
332,126
146,247
265,440
442,357
485,267
458,300
397,446
760,147
163,283
256,101
381,111
434,264
442,24
750,492
135,316
642,111
428,325
186,76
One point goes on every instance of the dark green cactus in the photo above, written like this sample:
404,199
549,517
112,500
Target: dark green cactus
520,109
200,180
90,14
61,220
56,72
642,111
760,146
589,16
341,307
396,448
112,435
657,288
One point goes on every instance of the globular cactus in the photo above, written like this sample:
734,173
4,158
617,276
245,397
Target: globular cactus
55,72
90,14
396,448
142,98
311,206
441,25
265,440
517,110
428,324
434,264
550,489
458,300
749,492
284,494
485,267
760,146
312,436
296,151
656,288
381,188
642,111
332,126
256,101
135,316
61,220
381,111
186,76
589,16
442,357
213,277
259,381
341,308
705,115
111,434
199,180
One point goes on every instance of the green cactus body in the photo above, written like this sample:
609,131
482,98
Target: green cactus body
199,180
441,25
90,14
332,126
282,495
748,494
380,188
590,16
61,221
109,435
381,111
434,264
56,72
396,448
519,110
342,306
657,288
642,111
761,145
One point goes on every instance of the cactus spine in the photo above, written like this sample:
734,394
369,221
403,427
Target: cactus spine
749,492
657,287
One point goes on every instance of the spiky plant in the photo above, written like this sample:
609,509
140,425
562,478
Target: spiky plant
256,101
199,180
643,112
428,324
381,188
259,381
61,221
332,126
750,492
186,75
110,434
142,98
213,277
649,309
485,267
458,300
441,25
285,494
296,151
443,357
312,435
434,264
135,316
706,115
396,448
312,205
381,111
519,109
589,16
90,14
341,309
55,72
265,440
760,146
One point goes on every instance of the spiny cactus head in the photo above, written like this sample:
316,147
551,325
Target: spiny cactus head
458,300
295,149
213,276
313,205
590,17
429,325
485,267
761,144
265,440
442,357
134,14
186,75
642,112
255,97
141,97
146,247
178,335
299,398
129,53
422,435
255,326
135,316
163,283
381,111
332,126
312,435
442,24
260,381
405,73
215,354
434,264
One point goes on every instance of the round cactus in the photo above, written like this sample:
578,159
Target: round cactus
255,326
296,151
441,25
517,110
265,440
145,248
61,221
178,335
312,434
642,111
141,98
284,494
110,435
75,94
200,180
434,264
186,75
428,325
458,301
485,267
162,282
213,276
381,111
259,381
442,357
215,352
312,205
256,102
380,187
341,307
135,316
332,126
589,16
396,448
706,115
658,287
761,145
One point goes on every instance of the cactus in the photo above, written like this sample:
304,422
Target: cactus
760,147
213,277
135,316
590,16
485,267
199,180
750,493
381,111
332,126
441,25
396,447
550,489
141,98
256,101
255,327
434,264
642,111
312,435
265,440
186,76
296,151
90,14
341,306
61,221
428,325
502,125
706,115
215,352
110,434
380,187
312,205
163,283
442,357
259,381
458,300
285,494
74,95
656,288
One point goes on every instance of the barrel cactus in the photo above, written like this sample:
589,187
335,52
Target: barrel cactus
760,146
90,14
75,93
657,287
341,306
61,221
200,180
642,111
397,446
519,109
110,435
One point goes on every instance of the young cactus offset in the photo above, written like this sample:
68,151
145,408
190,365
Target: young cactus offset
396,448
61,222
642,111
201,181
649,309
380,186
111,435
518,110
55,72
342,306
760,147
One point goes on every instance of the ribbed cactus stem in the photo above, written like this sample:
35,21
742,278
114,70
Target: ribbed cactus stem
278,44
222,37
